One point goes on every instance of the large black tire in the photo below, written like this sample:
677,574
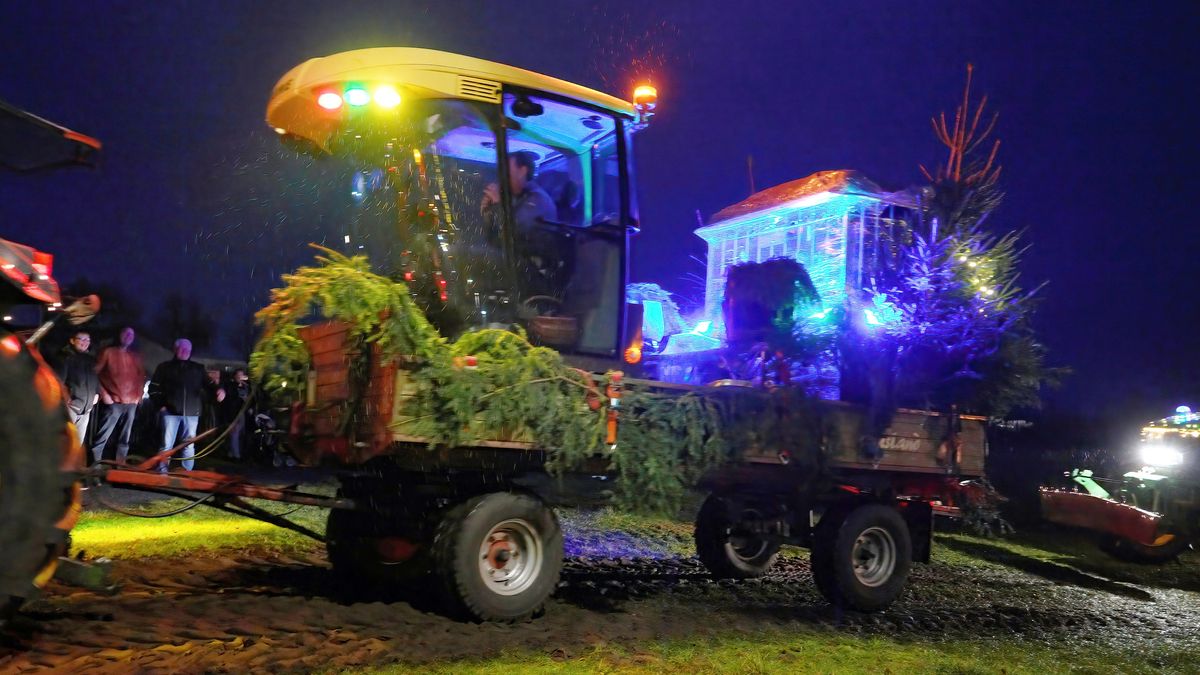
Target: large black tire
31,483
1131,551
352,546
861,556
499,556
727,552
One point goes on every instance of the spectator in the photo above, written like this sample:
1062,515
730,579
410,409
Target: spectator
77,370
210,412
235,415
178,389
122,381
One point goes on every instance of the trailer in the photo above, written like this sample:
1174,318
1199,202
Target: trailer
480,517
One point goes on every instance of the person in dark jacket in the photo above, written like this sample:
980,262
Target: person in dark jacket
178,388
236,411
77,370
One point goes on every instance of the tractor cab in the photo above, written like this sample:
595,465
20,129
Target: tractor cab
500,196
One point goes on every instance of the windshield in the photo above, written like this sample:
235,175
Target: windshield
416,186
537,240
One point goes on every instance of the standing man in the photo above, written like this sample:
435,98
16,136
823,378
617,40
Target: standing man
122,382
77,370
235,415
178,389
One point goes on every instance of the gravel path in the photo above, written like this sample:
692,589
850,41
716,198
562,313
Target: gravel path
239,613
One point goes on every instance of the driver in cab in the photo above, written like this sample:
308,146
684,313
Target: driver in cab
537,246
530,201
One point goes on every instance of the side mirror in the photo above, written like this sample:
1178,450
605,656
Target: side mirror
523,107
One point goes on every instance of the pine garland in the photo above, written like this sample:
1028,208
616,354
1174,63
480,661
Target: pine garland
665,443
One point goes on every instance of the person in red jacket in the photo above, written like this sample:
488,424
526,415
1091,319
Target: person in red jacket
122,382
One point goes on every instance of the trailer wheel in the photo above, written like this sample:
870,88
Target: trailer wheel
1167,549
352,546
499,556
861,557
726,551
31,482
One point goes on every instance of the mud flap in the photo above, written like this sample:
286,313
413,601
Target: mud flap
918,516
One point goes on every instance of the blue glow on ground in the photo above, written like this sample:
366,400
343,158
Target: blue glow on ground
585,537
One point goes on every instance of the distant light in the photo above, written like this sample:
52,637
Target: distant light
1183,410
1156,454
57,304
280,130
347,239
357,96
8,318
633,354
416,155
821,314
329,101
386,96
702,327
872,320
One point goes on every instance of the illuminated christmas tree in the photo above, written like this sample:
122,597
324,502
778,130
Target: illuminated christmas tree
951,314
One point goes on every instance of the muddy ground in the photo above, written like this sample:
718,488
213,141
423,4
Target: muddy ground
242,612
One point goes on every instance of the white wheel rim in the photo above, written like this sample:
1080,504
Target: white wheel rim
510,557
873,557
746,546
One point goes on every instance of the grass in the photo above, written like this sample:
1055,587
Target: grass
814,651
202,529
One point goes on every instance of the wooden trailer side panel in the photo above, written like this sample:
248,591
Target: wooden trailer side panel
329,392
915,442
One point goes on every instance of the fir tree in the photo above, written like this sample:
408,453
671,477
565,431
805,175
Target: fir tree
957,321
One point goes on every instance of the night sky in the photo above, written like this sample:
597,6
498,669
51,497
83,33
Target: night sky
1097,106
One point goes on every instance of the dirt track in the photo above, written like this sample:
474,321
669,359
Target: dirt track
243,613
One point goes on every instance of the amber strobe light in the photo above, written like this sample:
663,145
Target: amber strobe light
645,97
